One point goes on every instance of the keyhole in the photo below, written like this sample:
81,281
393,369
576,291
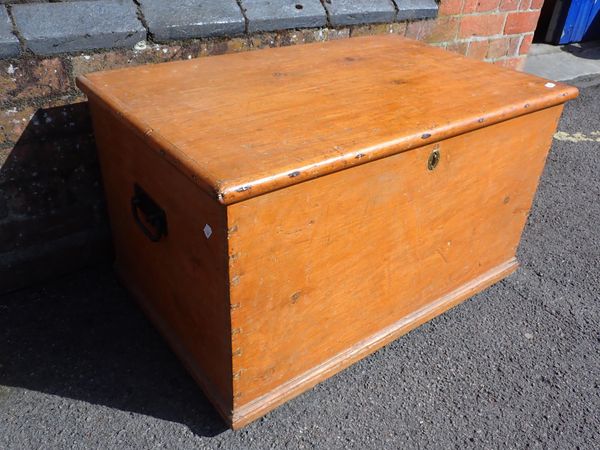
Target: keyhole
434,159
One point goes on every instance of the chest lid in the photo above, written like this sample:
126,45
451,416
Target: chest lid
244,124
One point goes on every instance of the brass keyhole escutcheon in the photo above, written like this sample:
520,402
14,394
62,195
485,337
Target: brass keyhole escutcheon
434,159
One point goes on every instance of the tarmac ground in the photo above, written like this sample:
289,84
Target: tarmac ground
517,366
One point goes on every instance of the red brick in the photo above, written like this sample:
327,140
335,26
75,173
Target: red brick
113,59
13,122
513,45
486,5
478,49
497,48
524,5
521,22
152,53
450,7
419,29
481,25
525,44
470,6
29,78
509,5
536,4
444,29
511,63
458,47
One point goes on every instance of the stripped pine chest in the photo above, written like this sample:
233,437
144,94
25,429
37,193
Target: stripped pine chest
280,214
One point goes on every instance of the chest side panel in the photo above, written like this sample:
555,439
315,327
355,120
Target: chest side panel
181,280
317,267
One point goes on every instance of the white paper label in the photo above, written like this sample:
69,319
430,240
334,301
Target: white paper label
207,231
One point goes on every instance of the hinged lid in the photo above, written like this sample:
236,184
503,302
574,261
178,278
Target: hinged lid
248,123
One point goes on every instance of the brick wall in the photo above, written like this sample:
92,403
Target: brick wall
52,216
498,31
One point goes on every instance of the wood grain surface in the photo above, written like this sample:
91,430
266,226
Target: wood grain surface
319,266
244,124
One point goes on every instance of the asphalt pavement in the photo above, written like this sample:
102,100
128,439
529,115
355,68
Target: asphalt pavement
517,366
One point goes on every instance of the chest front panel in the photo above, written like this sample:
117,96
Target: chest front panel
320,266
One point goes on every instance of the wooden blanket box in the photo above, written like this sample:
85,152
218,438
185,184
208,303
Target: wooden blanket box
280,214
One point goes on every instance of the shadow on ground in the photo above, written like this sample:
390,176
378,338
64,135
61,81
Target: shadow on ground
585,50
70,340
52,213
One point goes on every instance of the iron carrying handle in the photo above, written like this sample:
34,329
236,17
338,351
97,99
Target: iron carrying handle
154,215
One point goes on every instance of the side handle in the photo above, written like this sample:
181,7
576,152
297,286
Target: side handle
154,222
